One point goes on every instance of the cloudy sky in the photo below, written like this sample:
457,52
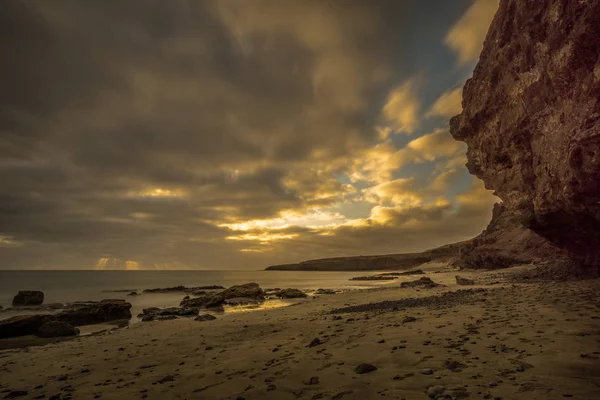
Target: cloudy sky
233,134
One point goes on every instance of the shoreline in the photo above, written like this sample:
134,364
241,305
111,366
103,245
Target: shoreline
516,341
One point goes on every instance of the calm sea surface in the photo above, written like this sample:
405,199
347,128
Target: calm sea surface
69,286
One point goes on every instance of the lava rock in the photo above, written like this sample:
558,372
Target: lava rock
53,329
28,298
95,312
464,281
421,283
520,142
434,391
364,368
205,317
248,290
22,325
290,294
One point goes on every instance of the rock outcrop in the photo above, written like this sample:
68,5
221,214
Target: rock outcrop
421,283
28,298
52,329
61,324
249,291
464,281
22,325
95,312
531,120
506,243
290,294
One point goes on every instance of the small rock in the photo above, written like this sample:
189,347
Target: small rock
364,368
464,281
168,378
313,381
408,319
315,342
435,391
427,371
16,393
205,317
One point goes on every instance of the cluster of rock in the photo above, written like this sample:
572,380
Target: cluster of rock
531,121
64,322
421,283
163,314
184,289
250,292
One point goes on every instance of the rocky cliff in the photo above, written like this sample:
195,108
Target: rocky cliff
531,119
506,243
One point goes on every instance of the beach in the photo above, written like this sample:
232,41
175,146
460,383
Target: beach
496,340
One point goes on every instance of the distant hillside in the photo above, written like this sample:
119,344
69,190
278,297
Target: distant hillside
504,243
374,263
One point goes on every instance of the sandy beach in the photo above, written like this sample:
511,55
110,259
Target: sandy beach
498,341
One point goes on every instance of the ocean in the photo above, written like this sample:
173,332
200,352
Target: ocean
69,286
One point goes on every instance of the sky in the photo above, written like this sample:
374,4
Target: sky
233,134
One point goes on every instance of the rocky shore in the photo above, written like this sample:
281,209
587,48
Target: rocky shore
497,339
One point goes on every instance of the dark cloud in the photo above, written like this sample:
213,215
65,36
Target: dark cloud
236,110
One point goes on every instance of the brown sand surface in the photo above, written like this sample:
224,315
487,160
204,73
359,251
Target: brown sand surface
511,341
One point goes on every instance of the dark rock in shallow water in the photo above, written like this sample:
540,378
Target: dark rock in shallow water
464,281
53,329
374,278
205,317
209,287
530,120
28,298
290,294
95,312
421,283
185,289
167,290
133,294
22,325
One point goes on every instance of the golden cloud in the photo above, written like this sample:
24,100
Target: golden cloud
447,105
467,35
401,110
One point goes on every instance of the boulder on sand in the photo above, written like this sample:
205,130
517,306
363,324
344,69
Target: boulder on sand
95,312
28,298
464,281
421,283
154,313
51,329
291,294
22,325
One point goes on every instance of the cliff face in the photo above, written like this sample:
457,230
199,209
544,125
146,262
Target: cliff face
506,243
531,119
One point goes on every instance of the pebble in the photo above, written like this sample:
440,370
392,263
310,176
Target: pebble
427,371
434,391
364,368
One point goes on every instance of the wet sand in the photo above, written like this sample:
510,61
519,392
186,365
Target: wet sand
510,341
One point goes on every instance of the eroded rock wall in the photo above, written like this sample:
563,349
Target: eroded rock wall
531,119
